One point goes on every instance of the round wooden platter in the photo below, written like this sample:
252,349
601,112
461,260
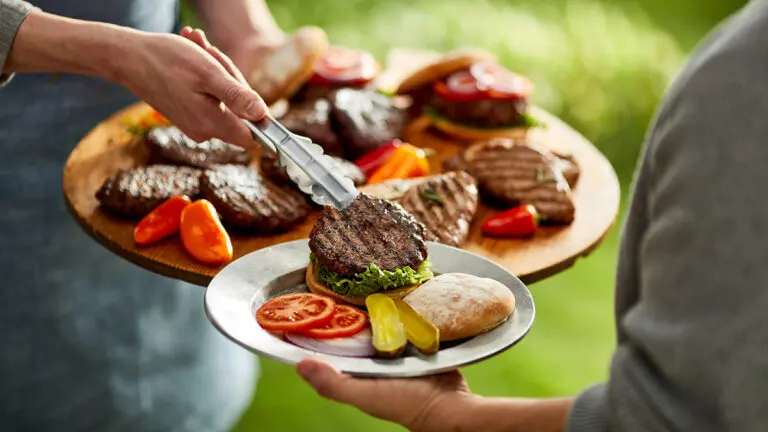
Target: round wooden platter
108,148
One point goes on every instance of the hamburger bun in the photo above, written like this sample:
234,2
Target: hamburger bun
461,305
285,69
318,287
451,62
468,133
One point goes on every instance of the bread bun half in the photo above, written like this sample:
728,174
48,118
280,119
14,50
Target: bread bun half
461,305
317,287
451,62
468,133
286,68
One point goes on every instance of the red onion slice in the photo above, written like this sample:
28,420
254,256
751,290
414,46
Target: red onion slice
462,82
359,345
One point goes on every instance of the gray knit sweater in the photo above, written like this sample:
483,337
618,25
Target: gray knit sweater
692,286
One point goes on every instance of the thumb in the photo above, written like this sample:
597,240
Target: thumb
241,100
331,384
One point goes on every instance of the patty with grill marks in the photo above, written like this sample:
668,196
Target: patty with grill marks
136,192
445,204
368,231
246,199
169,145
513,172
565,163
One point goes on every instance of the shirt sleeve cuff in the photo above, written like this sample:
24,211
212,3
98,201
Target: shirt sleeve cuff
12,14
589,412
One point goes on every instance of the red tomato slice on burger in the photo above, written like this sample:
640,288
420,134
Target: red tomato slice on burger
460,86
295,312
345,66
346,321
499,82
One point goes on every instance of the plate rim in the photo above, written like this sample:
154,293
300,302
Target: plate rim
212,289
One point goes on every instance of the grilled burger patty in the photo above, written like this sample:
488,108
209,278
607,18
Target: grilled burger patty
364,120
246,199
170,145
313,91
513,173
445,204
565,164
277,174
312,120
481,113
138,191
368,231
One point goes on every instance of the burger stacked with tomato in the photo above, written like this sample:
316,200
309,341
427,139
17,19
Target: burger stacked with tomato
468,96
339,68
340,108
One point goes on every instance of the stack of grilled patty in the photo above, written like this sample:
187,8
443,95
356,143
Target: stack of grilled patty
214,170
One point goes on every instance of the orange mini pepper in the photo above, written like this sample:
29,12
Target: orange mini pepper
203,235
161,222
407,161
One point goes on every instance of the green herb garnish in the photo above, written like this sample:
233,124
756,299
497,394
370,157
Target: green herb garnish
431,194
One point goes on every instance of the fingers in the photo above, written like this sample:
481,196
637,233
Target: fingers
331,384
198,37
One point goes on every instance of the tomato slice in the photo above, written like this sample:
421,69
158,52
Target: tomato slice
346,321
345,66
441,88
499,82
295,312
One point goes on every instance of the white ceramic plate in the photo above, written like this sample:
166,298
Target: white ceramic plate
238,290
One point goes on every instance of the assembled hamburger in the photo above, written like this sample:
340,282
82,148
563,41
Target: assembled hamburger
371,246
469,96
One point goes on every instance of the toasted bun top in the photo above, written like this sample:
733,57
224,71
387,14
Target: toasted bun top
284,70
451,62
462,305
470,134
317,287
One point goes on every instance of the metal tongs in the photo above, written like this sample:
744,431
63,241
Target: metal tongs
314,173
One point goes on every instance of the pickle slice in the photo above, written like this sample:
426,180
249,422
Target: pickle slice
422,334
389,339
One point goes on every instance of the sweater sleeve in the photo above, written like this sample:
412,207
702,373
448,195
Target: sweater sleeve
692,352
12,13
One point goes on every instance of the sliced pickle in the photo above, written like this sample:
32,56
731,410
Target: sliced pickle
389,339
421,333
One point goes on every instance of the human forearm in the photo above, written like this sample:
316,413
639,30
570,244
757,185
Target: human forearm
231,23
475,413
50,43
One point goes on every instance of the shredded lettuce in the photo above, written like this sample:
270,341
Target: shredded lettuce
373,279
527,121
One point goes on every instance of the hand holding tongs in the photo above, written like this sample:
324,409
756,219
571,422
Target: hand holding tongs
314,172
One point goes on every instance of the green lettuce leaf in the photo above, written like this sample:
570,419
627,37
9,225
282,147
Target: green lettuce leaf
373,279
528,121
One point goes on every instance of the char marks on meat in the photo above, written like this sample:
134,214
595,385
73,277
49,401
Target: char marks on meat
312,120
246,199
169,145
136,192
445,204
368,231
513,173
276,173
365,120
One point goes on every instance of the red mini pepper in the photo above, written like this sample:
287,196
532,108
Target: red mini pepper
520,221
371,161
162,222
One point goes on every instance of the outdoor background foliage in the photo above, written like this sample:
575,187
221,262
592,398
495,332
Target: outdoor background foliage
602,66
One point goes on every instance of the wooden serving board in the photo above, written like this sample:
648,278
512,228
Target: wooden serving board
108,148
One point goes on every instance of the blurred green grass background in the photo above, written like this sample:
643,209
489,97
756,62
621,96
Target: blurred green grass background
602,66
